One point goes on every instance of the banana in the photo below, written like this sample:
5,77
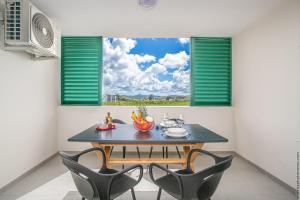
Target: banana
134,117
140,117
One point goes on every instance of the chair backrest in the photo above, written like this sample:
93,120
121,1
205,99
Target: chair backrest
84,187
118,121
80,174
212,177
209,186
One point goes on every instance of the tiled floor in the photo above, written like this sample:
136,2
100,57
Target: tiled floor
241,182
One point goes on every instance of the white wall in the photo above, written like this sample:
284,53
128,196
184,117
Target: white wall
298,155
74,119
169,18
266,81
158,22
27,113
267,91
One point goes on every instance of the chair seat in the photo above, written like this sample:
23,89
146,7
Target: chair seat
169,183
120,184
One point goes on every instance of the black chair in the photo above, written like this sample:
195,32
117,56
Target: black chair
165,153
118,121
186,184
106,184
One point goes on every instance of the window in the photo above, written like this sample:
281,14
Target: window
150,71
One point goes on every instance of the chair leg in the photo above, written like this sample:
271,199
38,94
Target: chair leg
167,156
138,151
179,155
112,148
133,194
83,198
124,154
150,154
158,194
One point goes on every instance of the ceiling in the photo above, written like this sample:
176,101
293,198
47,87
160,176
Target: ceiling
169,18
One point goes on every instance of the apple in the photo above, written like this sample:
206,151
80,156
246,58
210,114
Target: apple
149,119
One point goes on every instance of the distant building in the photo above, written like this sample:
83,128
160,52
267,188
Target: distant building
110,98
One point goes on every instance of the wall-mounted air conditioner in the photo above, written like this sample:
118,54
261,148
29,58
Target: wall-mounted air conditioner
26,28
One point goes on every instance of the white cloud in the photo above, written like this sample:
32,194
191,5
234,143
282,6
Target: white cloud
175,60
184,40
181,81
124,44
144,59
122,73
156,69
119,67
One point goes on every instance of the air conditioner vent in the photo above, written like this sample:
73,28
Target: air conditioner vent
42,30
13,22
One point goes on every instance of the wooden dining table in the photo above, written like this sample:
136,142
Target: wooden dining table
127,135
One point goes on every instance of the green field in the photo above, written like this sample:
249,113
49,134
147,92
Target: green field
147,103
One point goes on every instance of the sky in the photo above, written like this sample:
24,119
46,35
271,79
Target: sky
158,66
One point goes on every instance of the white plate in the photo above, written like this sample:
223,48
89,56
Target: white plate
176,132
176,136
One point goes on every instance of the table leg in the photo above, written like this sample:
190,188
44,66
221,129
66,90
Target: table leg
186,150
99,155
107,154
194,155
106,149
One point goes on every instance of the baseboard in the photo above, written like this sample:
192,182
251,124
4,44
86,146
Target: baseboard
274,178
4,188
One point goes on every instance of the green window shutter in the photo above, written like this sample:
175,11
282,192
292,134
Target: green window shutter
81,70
211,71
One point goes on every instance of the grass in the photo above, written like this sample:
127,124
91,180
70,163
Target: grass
147,103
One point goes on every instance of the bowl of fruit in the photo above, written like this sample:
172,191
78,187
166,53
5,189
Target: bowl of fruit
142,122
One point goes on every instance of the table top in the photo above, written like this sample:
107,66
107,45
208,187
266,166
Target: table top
127,134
